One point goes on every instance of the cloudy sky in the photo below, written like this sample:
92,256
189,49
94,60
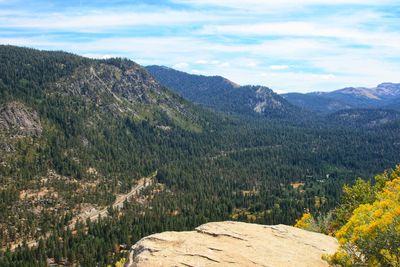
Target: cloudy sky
298,45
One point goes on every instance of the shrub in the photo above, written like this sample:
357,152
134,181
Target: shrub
307,222
372,234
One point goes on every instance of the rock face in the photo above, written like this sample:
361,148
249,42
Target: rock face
233,244
15,116
123,88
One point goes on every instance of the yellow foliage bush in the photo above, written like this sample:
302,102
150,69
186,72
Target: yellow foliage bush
306,222
372,234
119,263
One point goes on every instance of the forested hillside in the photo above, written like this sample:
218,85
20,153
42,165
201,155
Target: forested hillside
316,103
77,133
221,94
364,106
366,117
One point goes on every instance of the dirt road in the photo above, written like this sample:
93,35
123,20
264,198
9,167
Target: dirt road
118,203
94,214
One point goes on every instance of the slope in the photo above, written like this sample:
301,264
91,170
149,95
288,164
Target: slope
367,118
316,103
223,95
75,132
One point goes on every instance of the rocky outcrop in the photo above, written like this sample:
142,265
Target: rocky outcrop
116,84
123,88
15,117
233,244
266,99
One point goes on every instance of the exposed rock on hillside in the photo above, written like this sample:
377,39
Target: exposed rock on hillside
233,244
265,100
123,88
117,84
17,118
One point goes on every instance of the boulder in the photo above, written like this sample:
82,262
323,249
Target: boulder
233,244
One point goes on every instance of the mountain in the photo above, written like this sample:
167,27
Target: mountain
234,244
366,97
223,95
118,86
80,138
195,87
381,96
75,132
387,90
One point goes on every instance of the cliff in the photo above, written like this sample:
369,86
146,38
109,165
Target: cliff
233,244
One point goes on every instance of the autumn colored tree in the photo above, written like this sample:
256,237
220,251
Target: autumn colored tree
372,234
362,192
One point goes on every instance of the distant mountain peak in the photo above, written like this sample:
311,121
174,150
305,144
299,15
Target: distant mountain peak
388,89
359,91
385,95
389,84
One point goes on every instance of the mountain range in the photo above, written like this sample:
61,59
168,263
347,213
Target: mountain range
347,107
385,95
77,133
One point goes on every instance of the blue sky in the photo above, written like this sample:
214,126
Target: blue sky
303,45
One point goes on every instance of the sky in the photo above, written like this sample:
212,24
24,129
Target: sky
289,46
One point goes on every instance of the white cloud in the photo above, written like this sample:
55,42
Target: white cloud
99,56
251,64
278,67
306,29
197,72
285,50
201,62
270,6
337,66
211,62
181,65
269,3
225,64
102,20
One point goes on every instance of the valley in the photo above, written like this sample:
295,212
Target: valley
199,133
78,136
